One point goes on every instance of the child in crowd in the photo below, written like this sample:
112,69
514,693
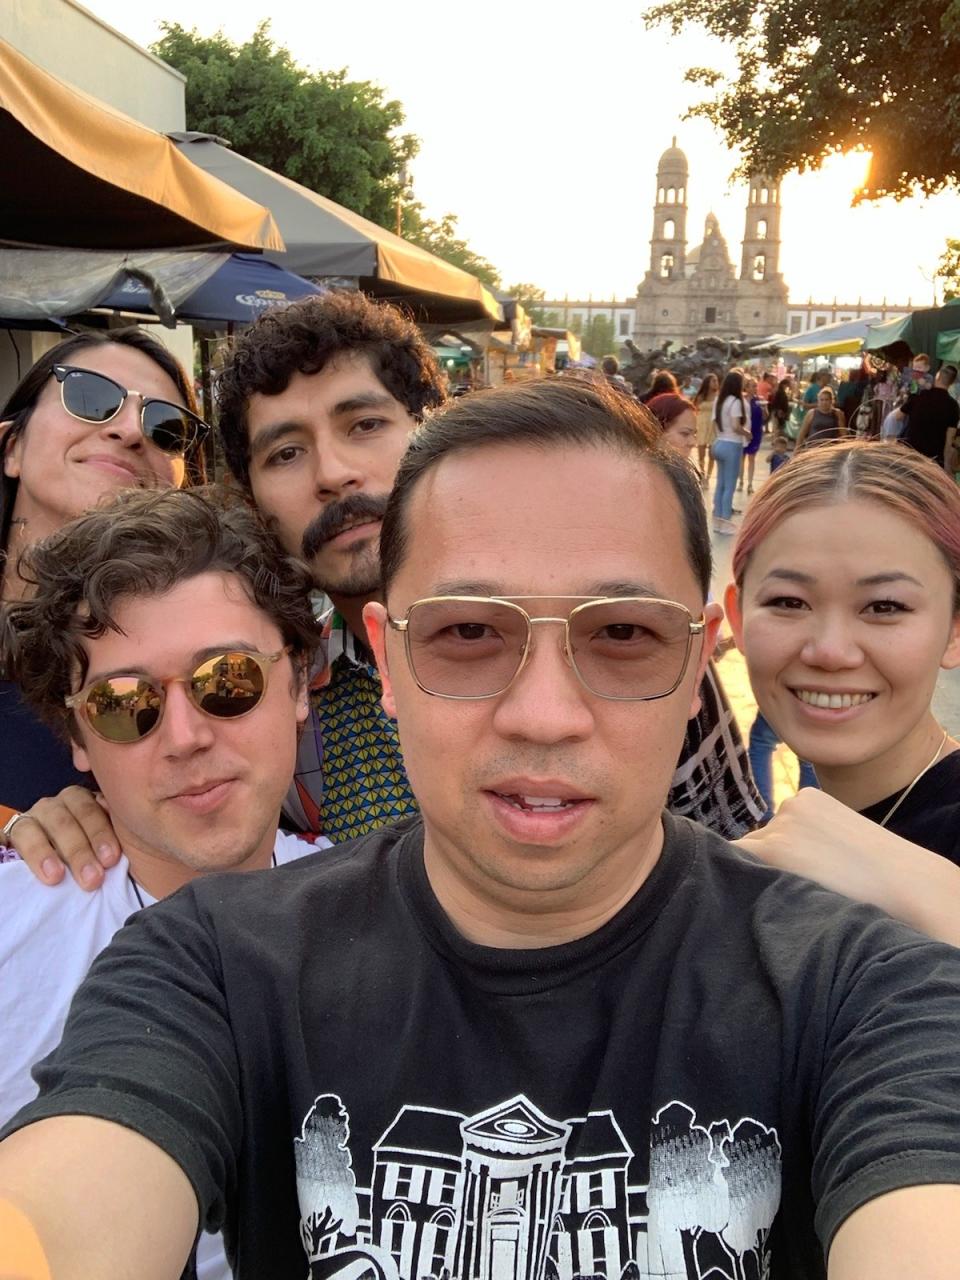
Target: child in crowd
779,451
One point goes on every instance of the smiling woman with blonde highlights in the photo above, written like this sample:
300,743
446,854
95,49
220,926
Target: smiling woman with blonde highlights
846,605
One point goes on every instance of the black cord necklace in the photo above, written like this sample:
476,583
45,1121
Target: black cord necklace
139,895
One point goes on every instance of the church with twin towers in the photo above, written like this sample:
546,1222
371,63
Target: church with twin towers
694,293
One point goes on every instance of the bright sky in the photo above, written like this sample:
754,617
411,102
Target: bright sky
541,126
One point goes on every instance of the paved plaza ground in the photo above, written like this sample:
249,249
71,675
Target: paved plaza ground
946,702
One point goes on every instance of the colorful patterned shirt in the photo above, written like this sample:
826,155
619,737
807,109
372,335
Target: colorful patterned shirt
349,778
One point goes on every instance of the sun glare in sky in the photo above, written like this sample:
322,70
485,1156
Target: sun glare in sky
541,129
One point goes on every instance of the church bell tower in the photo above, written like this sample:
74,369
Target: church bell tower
668,245
761,231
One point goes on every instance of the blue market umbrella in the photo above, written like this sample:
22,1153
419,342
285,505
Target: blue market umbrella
242,289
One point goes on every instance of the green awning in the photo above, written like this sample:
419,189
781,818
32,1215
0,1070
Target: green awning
888,332
918,331
948,345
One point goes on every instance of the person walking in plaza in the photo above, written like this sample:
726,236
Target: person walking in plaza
732,421
677,417
706,427
97,413
824,423
822,378
781,407
846,606
749,460
543,985
931,418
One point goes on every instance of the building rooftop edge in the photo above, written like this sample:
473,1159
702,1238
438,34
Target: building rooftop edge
87,13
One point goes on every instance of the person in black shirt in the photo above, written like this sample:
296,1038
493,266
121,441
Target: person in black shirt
544,1030
846,604
932,418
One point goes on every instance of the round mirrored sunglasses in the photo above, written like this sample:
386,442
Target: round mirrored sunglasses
128,707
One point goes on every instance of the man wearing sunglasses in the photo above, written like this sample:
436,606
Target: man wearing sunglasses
167,641
316,404
549,1030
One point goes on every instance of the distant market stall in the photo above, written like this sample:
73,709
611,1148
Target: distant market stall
845,337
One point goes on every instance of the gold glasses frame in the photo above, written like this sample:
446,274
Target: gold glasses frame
695,627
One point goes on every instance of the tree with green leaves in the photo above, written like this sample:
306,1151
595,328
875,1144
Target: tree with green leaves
816,77
440,236
531,298
599,337
948,270
337,136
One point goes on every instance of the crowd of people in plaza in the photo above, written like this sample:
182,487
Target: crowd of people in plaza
405,756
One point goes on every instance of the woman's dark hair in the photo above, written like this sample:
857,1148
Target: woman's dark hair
732,385
305,337
143,543
544,414
704,388
663,382
780,403
23,400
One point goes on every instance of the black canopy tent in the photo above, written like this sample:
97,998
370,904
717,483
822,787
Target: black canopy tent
327,242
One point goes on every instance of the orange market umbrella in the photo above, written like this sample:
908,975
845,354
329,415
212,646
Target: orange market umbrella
80,175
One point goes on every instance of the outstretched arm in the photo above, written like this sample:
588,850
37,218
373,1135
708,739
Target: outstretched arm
910,1232
816,836
105,1203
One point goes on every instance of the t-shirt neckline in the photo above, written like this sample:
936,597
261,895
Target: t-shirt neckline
522,971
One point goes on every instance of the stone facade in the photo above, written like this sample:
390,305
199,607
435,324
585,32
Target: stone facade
689,295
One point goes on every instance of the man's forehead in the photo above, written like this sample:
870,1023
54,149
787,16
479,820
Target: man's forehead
343,379
527,520
209,610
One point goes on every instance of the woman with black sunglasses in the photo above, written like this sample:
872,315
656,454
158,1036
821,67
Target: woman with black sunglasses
97,413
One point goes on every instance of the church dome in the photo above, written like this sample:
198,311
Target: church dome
673,160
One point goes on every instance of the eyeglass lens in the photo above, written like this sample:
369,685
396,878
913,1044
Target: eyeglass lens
127,708
90,396
629,649
96,398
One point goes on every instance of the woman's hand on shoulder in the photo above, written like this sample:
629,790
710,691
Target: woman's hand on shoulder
816,836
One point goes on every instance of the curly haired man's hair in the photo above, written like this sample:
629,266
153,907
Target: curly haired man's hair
143,543
304,338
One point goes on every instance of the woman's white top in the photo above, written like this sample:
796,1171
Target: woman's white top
732,419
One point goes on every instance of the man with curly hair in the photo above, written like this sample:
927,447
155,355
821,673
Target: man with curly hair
166,643
317,401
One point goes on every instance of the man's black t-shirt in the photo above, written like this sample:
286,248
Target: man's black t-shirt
714,1079
930,814
929,416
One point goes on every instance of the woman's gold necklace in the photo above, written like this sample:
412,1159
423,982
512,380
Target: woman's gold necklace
903,794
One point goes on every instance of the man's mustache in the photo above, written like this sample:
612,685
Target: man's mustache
334,518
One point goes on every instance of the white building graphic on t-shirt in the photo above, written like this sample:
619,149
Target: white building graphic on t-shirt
510,1194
